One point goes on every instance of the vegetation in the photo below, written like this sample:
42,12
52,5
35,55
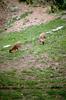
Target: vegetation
46,83
55,43
30,35
35,83
32,84
60,4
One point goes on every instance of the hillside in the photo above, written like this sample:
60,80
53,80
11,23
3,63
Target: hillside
35,71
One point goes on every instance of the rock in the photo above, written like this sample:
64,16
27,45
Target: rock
63,17
13,9
18,18
6,46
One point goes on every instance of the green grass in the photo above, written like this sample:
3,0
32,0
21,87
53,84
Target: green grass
34,83
55,44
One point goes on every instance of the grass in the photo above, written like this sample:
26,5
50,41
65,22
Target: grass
55,44
32,84
35,83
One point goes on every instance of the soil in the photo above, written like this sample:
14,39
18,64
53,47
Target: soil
30,61
39,15
14,8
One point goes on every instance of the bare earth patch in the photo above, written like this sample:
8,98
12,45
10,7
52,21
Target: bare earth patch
30,61
39,15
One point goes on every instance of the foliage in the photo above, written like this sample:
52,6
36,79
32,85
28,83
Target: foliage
58,3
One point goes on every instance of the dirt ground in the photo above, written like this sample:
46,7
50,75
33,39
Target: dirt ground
30,61
14,8
39,15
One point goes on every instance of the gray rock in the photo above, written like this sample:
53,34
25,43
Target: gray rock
13,9
63,17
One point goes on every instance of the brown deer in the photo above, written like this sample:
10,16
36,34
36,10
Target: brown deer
15,47
42,38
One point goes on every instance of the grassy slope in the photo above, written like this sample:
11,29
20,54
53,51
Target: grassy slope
54,43
35,84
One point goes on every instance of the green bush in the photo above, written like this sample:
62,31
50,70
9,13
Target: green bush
60,4
64,6
27,1
34,1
